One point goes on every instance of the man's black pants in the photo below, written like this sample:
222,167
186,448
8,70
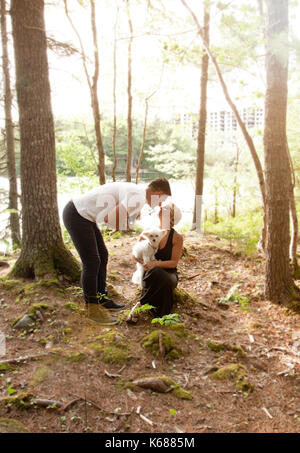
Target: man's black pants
89,243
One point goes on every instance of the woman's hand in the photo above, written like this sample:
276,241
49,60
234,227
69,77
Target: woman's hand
138,260
150,265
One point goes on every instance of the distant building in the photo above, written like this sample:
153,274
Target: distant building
221,120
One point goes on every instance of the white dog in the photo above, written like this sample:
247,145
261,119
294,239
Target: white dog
145,250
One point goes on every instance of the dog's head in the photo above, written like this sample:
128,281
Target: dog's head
154,236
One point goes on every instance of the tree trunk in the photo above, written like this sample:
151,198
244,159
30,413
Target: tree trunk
10,140
294,218
216,217
202,123
278,277
42,250
129,114
236,166
95,100
115,100
143,142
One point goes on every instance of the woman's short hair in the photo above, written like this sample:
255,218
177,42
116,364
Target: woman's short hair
160,185
171,214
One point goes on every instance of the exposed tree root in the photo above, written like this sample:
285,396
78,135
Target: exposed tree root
46,264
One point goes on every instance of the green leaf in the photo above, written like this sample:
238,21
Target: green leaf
11,390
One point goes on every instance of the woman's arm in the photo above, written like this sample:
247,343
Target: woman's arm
176,255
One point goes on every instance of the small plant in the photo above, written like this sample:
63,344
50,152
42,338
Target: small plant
11,390
143,308
167,320
232,296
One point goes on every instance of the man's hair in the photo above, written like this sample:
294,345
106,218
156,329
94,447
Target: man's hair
160,185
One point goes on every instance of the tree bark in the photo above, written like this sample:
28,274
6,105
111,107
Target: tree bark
278,277
236,166
129,114
115,100
43,251
95,99
10,139
202,121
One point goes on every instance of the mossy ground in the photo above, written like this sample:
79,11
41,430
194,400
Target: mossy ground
77,362
113,347
170,343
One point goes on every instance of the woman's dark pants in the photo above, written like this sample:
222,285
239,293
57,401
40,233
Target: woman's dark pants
158,287
89,243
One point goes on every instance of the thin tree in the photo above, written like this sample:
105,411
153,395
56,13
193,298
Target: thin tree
43,251
129,93
235,183
202,120
115,98
93,85
279,285
141,153
10,139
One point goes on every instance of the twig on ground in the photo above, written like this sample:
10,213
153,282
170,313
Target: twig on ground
267,412
45,403
25,358
67,405
99,407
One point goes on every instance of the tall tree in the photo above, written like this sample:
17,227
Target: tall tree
114,138
129,92
43,251
93,85
202,120
279,286
10,140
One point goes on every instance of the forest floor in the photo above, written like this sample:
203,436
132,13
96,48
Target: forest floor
237,365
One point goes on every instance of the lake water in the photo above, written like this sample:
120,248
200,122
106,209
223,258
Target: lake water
182,194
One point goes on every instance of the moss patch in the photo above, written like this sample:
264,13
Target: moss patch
75,357
231,371
177,391
181,296
20,401
5,367
236,372
124,385
179,329
10,284
169,342
113,354
37,307
294,306
40,375
9,425
216,346
113,347
73,307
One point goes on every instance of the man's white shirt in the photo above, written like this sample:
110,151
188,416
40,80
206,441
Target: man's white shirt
101,201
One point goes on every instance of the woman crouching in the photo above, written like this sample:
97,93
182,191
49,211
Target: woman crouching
161,277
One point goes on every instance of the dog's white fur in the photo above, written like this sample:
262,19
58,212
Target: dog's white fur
145,250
